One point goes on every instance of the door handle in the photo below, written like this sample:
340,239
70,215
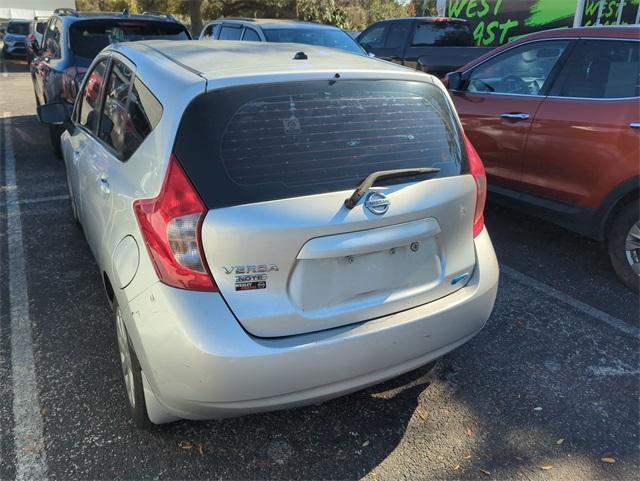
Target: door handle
104,185
635,125
515,116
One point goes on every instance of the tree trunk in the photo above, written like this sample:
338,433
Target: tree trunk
195,10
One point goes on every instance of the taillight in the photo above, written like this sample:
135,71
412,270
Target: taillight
476,169
170,225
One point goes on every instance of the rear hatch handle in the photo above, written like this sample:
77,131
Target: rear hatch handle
372,178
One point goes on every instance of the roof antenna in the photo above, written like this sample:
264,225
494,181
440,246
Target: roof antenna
300,56
125,12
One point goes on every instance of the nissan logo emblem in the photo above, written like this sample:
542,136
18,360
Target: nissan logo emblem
377,203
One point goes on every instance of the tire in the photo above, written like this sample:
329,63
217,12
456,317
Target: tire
624,229
54,138
132,373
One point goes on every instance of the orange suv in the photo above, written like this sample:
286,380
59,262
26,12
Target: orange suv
555,117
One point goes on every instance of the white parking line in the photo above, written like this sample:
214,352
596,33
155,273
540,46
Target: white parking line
612,321
38,200
31,458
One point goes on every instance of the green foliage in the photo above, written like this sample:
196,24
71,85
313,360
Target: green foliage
346,14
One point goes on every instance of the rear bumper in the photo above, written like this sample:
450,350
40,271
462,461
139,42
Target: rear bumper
199,363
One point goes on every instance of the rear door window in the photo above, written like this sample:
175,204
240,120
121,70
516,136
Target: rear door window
88,37
398,33
442,34
130,112
601,69
228,32
250,35
90,96
276,141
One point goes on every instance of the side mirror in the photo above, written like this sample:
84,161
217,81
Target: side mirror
54,114
454,81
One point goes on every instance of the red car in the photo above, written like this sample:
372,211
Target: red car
555,117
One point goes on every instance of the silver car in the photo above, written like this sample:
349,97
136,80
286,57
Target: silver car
275,224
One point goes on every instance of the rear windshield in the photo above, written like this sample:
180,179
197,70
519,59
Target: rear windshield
263,142
88,37
18,28
443,34
324,37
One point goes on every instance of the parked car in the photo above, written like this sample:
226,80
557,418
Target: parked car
15,38
73,39
280,31
436,45
556,118
276,231
34,40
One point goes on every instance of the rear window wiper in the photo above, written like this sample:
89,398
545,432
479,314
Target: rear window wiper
372,178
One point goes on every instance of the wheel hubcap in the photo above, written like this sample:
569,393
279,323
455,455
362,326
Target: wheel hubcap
632,247
125,358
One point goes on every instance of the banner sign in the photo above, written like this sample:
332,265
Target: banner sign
495,22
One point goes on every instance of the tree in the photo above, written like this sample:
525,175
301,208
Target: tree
195,12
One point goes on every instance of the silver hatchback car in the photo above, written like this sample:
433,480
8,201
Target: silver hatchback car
275,224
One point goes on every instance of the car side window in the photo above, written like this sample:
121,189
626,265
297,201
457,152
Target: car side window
51,43
398,33
113,121
522,70
230,33
130,112
250,35
208,32
90,96
144,113
374,37
601,69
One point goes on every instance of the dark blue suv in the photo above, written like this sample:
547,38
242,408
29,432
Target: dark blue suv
73,39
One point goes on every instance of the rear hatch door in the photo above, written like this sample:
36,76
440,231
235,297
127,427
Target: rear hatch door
275,163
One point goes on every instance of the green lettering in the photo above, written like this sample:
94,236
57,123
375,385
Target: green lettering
497,6
456,7
591,7
485,8
478,33
471,8
505,27
491,36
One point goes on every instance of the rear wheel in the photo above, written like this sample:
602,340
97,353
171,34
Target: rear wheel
132,373
624,245
54,137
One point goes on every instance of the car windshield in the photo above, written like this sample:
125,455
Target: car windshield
324,37
88,37
18,28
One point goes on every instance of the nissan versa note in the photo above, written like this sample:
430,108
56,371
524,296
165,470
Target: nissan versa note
277,232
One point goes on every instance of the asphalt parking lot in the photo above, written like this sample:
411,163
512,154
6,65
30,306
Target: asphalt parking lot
547,390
